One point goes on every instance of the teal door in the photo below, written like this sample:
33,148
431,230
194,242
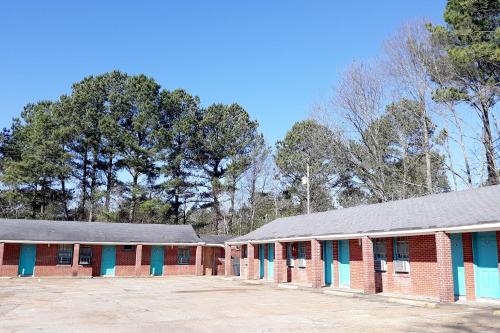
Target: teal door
27,260
486,265
344,269
328,261
457,257
261,260
157,257
270,261
108,260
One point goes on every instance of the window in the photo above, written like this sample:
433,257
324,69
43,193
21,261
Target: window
402,249
289,254
128,248
380,255
85,255
183,255
379,249
302,251
401,255
65,254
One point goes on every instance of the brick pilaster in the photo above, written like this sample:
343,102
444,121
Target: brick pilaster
228,269
198,267
444,267
76,258
279,262
368,266
336,264
470,289
138,259
251,261
2,248
317,265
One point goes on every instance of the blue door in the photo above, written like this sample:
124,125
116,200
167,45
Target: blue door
157,258
261,260
486,265
328,260
270,261
457,256
344,269
27,260
108,260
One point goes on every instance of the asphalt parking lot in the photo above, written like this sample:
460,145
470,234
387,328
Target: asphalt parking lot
212,304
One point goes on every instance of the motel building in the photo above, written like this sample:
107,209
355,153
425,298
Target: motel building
89,249
443,247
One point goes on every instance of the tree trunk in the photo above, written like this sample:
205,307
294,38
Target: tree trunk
428,174
83,203
462,146
109,183
93,185
133,199
488,147
64,199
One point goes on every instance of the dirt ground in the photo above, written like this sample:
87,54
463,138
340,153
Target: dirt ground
212,304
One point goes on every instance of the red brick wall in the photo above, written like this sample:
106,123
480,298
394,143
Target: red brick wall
498,247
170,262
470,289
422,279
219,260
300,275
356,263
336,263
46,262
10,260
145,261
125,261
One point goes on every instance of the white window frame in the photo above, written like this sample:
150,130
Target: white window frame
182,258
65,254
84,258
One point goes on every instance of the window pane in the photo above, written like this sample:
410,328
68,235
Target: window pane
65,254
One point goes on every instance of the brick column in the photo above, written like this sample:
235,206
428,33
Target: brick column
368,266
138,259
2,247
76,258
279,262
336,270
198,267
228,269
317,267
444,267
470,287
251,261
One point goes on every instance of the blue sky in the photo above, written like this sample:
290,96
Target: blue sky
276,58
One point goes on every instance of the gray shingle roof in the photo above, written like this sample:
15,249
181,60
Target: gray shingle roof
453,209
37,230
215,239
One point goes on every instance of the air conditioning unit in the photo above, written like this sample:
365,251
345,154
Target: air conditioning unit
380,265
401,266
289,262
302,263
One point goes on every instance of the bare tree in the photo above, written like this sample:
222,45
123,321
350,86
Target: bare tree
408,52
359,97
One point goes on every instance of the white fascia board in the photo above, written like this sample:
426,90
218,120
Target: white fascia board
96,243
396,233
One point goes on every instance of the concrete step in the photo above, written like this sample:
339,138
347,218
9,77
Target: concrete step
412,302
287,286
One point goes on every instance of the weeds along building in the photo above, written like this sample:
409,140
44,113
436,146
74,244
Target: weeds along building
61,248
444,246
